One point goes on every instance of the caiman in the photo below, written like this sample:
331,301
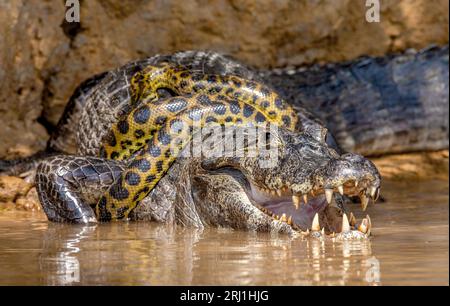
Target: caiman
121,148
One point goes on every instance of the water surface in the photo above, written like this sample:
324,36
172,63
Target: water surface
409,247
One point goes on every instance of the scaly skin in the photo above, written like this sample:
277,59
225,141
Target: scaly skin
373,105
144,87
376,105
190,193
186,82
216,191
153,160
226,100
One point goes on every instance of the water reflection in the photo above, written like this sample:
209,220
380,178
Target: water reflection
151,254
408,247
61,244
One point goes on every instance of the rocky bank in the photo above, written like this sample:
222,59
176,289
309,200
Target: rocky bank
43,58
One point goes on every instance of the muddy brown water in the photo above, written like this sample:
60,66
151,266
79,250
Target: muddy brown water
409,247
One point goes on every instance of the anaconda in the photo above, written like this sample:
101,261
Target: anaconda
226,100
232,192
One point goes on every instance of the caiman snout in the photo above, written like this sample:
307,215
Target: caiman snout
351,174
301,186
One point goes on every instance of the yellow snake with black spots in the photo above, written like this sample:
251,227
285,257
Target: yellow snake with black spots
225,100
121,143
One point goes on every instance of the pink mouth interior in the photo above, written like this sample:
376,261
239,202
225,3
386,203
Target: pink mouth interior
302,217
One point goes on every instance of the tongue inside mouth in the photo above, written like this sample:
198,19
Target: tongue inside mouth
303,216
281,204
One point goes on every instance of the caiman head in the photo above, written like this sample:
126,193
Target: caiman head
301,190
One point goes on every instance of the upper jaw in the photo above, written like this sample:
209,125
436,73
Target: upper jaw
352,175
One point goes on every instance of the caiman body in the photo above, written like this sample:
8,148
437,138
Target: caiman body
360,102
375,106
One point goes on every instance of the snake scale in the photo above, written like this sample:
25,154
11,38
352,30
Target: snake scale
158,127
115,153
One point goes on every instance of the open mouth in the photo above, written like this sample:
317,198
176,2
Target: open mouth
319,210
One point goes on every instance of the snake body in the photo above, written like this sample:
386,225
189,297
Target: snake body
159,126
128,135
111,147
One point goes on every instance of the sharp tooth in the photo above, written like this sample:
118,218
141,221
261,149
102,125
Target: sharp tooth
376,194
273,192
369,225
356,183
305,198
352,219
341,189
283,218
373,190
277,217
363,227
323,231
279,192
296,201
364,201
289,221
345,224
329,195
315,224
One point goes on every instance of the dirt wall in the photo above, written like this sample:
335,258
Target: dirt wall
43,58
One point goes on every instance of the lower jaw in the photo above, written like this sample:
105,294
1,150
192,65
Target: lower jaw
301,217
316,211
